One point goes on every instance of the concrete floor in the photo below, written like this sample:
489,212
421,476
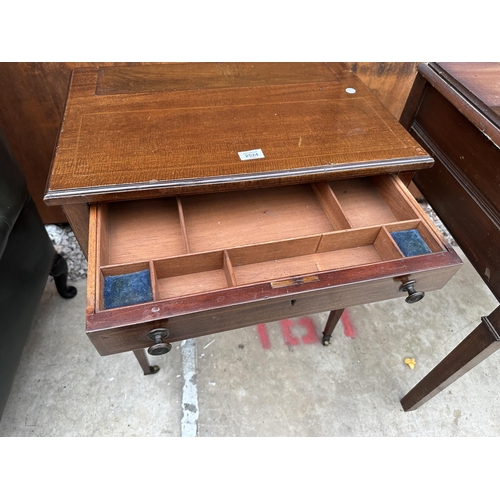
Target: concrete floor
237,384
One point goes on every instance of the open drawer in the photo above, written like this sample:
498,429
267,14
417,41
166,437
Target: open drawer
208,263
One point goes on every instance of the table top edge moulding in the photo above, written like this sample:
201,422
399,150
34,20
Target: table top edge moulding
466,93
308,123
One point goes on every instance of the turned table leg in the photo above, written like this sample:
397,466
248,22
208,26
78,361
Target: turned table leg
141,356
331,323
477,346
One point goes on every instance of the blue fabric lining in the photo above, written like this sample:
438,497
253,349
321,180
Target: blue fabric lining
410,242
127,289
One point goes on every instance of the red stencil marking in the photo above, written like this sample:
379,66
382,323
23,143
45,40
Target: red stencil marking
349,330
311,337
264,336
289,339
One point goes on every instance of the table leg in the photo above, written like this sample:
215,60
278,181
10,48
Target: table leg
331,323
477,346
59,271
141,356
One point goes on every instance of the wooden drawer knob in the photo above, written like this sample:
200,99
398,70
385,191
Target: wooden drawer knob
157,335
413,295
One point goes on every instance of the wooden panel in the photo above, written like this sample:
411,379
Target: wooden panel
471,227
92,261
479,82
203,320
78,217
362,203
223,220
475,157
148,144
143,230
179,76
331,205
385,246
33,96
391,82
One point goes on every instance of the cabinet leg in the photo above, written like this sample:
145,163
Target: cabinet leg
59,271
141,356
477,346
331,323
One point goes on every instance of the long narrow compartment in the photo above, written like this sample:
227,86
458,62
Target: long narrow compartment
224,220
330,251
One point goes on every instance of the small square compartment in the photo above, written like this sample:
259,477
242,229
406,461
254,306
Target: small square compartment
410,242
372,201
127,289
190,274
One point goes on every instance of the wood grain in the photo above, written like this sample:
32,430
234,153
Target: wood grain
362,203
252,254
224,220
223,310
479,82
182,76
187,140
93,264
33,97
331,205
390,82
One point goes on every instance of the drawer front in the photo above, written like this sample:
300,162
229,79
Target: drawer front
220,319
210,263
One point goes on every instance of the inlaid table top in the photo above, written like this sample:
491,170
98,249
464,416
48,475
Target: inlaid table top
165,129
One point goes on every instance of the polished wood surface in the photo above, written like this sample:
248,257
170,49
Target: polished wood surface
390,82
184,137
463,185
222,310
452,112
33,97
479,82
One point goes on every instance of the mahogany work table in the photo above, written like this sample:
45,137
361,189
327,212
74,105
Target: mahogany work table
210,197
454,111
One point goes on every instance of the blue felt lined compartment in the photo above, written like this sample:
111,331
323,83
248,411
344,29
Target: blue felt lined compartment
410,242
127,289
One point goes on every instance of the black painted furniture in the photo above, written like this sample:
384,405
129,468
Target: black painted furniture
27,257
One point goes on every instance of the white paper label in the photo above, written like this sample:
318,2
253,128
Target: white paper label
254,154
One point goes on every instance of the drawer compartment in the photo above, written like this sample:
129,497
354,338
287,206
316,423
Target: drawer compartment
189,254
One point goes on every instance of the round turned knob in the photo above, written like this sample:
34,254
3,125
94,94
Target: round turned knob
157,335
413,295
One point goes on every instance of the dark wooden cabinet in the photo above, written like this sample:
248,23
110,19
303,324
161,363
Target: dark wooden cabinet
454,112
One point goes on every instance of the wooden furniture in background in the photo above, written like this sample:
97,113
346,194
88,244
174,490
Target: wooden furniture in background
32,97
390,82
454,112
151,170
